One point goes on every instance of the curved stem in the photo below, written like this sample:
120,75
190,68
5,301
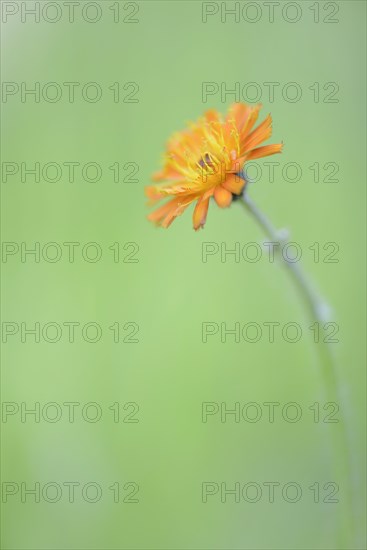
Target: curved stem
318,311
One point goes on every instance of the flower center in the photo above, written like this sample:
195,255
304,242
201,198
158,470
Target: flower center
214,168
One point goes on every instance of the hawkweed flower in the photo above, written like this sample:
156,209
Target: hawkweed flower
206,160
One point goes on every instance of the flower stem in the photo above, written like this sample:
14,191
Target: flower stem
318,311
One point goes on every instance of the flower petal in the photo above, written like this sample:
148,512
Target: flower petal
222,196
153,193
177,209
200,212
265,151
234,184
260,134
212,115
165,215
244,115
158,215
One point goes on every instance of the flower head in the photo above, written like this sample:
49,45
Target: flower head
205,161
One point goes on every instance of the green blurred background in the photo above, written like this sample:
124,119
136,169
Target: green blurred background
170,292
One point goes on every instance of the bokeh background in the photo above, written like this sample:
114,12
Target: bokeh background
170,291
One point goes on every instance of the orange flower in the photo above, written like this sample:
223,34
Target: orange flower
205,161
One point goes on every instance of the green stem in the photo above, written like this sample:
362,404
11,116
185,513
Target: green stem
318,311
